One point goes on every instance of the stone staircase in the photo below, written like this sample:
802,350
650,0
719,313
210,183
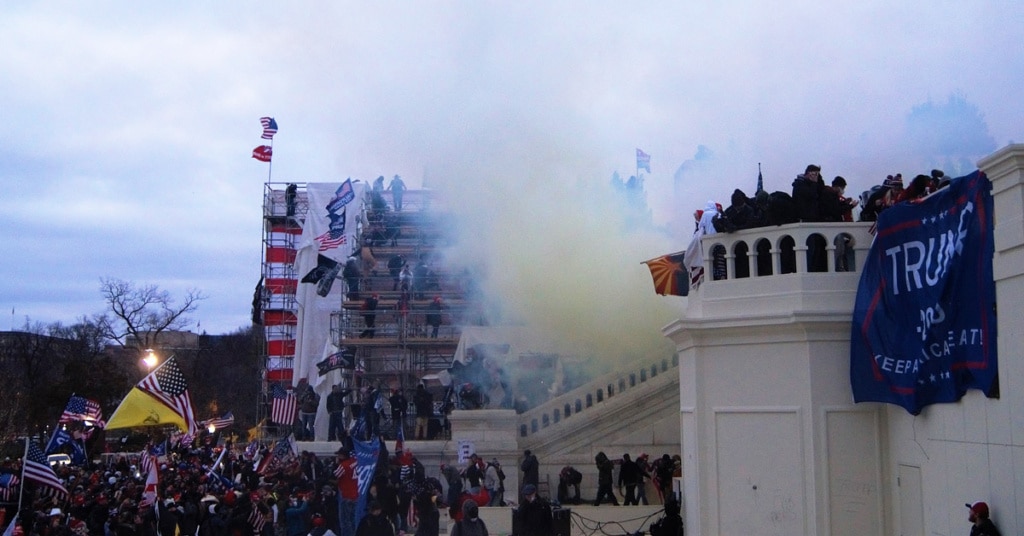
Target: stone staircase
634,410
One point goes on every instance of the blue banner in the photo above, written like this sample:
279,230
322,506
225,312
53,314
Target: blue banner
366,454
924,325
59,438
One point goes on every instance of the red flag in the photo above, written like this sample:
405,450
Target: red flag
148,465
263,153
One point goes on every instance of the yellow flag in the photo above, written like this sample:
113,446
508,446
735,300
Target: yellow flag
141,409
254,432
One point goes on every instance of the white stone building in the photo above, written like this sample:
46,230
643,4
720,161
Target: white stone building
771,440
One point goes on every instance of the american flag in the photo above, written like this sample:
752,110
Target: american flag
219,423
257,519
82,409
327,242
167,384
8,486
282,453
37,470
283,406
269,127
146,461
643,161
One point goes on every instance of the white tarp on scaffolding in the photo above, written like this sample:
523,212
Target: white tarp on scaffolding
329,236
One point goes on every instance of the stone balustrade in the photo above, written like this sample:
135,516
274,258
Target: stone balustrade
784,249
592,395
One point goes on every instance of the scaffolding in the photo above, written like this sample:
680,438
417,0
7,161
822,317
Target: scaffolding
402,347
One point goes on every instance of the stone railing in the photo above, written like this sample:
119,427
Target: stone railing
784,249
593,394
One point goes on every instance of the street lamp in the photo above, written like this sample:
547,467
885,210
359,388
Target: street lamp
150,360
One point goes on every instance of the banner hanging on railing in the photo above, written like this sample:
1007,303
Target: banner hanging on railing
924,326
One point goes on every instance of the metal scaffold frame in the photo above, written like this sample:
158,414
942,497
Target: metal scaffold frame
403,348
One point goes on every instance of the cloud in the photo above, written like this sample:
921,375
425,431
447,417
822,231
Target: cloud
143,117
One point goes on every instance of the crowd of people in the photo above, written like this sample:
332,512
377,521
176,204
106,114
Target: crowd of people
202,492
811,200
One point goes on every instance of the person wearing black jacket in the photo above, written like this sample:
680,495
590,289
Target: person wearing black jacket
816,202
631,477
369,309
530,468
981,525
424,403
352,274
533,517
604,479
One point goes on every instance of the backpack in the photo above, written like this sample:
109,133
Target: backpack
869,211
781,209
723,224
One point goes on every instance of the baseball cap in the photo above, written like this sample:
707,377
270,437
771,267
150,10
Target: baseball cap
980,508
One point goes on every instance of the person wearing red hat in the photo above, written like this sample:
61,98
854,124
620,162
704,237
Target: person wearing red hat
982,525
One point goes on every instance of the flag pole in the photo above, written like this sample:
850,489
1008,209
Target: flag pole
270,164
21,492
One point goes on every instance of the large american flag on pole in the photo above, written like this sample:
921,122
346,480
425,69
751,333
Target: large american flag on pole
37,470
167,384
283,405
82,409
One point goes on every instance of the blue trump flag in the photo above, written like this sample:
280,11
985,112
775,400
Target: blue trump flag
366,454
924,326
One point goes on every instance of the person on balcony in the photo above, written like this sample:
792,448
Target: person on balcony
846,204
814,201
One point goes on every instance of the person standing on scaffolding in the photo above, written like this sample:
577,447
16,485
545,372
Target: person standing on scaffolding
397,188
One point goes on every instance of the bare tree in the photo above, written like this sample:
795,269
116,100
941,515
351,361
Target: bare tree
141,313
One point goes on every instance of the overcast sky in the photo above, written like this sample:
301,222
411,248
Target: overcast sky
128,127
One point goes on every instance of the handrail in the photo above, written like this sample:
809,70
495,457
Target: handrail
592,394
784,249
